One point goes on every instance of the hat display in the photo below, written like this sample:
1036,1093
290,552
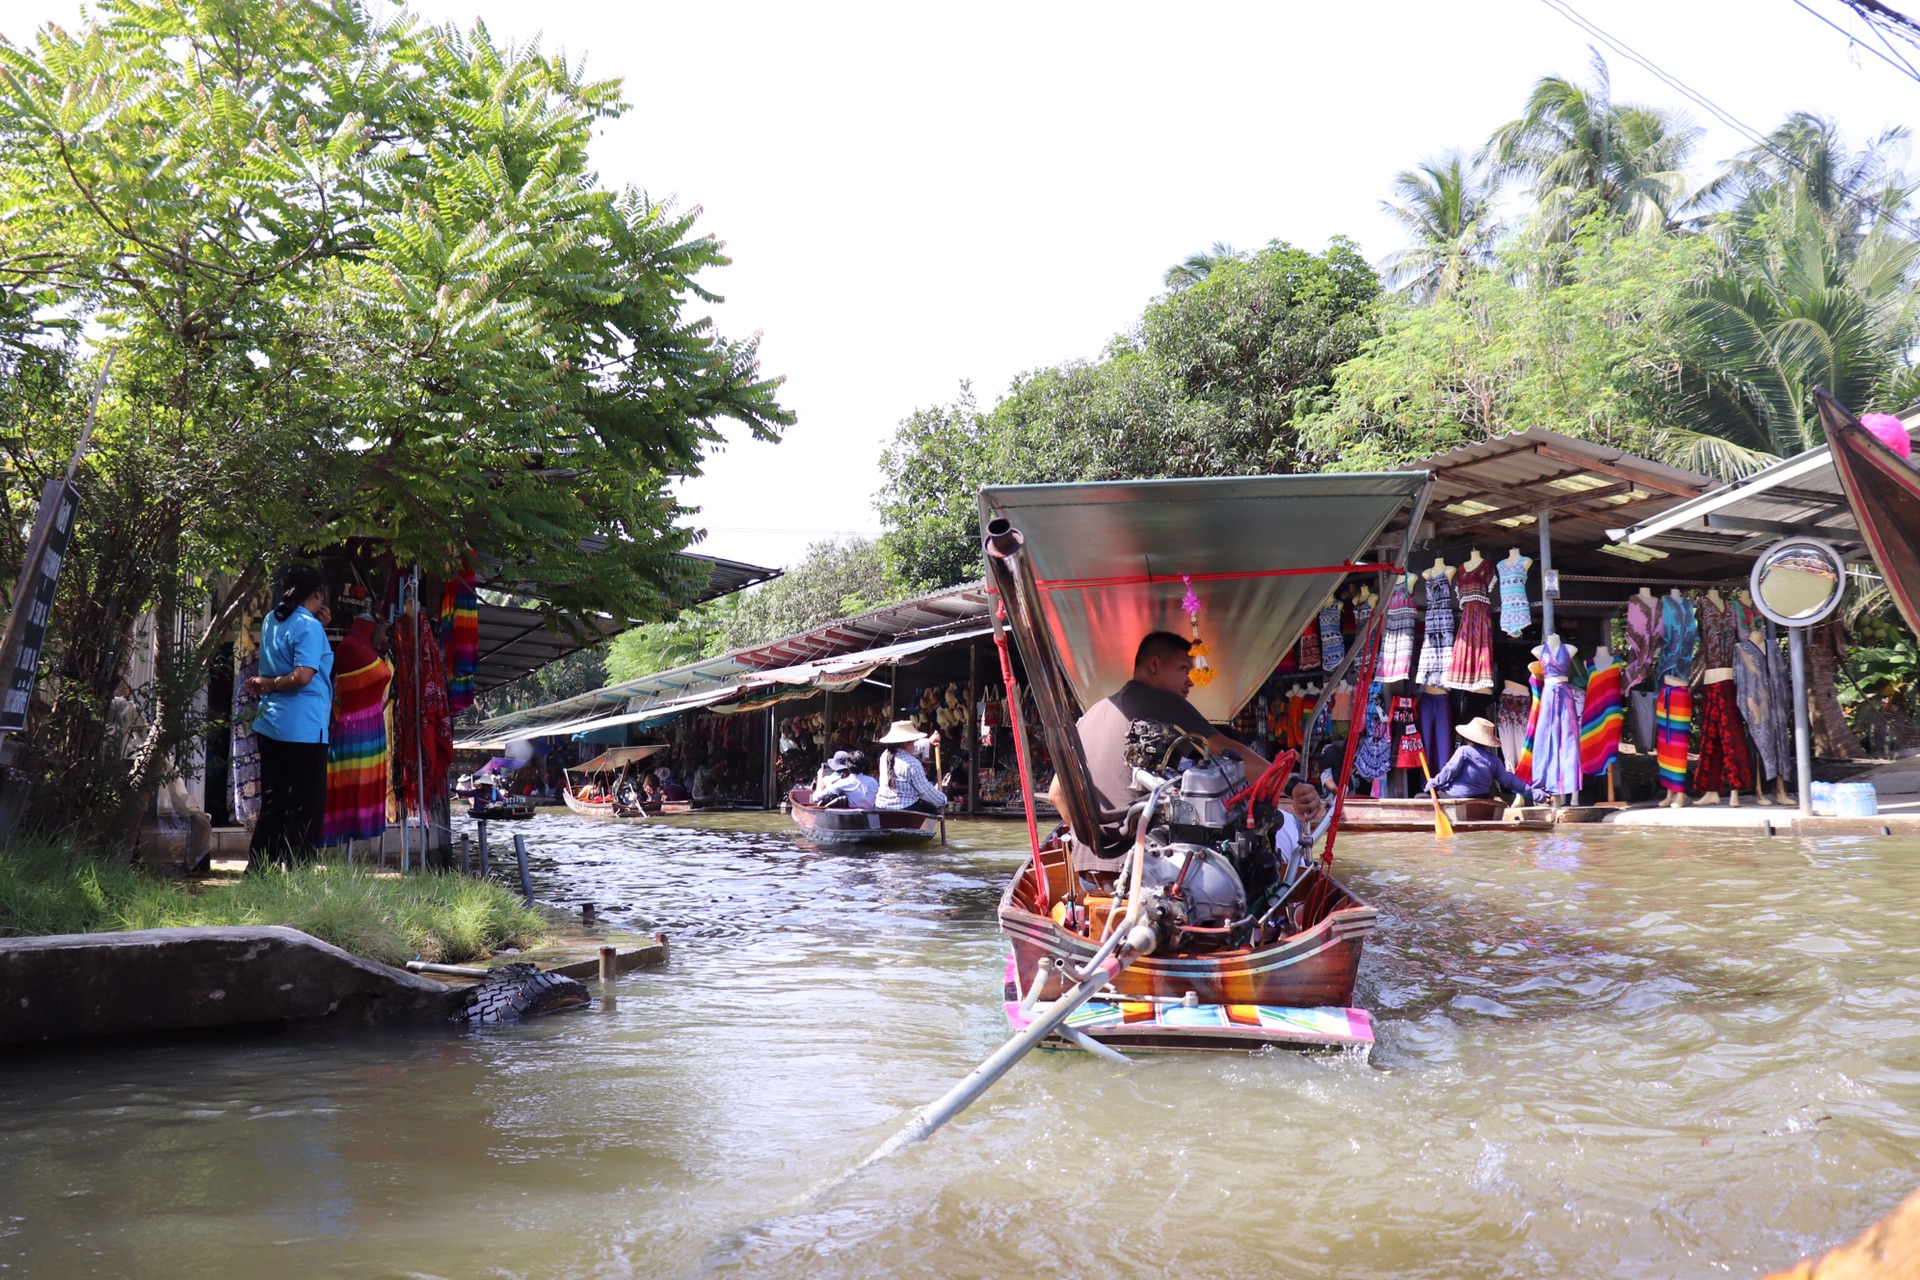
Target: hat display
902,731
840,762
1480,730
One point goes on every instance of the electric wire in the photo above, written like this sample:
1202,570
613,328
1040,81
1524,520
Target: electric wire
1904,67
1714,109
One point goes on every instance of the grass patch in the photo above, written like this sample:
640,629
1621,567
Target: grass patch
438,916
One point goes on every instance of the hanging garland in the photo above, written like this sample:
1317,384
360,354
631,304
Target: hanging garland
1202,673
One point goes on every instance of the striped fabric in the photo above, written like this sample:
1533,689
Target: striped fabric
357,757
1605,715
1535,683
1672,726
460,638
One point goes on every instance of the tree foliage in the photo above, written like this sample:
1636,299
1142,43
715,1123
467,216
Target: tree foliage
360,281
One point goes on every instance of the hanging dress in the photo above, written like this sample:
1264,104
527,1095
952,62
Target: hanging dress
1556,732
357,757
1375,754
1436,729
1396,644
1333,646
1717,636
1534,685
1310,646
1766,716
1601,720
1470,666
460,638
1437,651
1406,734
1643,639
1725,763
1673,706
1515,707
425,709
1516,614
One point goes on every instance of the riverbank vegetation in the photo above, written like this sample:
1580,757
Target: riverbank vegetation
50,886
358,280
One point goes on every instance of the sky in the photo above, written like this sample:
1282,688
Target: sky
920,196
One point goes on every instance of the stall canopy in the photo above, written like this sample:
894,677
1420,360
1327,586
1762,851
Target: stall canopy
1261,553
617,758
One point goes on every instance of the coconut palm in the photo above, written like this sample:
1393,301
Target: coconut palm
1583,151
1197,267
1806,160
1446,205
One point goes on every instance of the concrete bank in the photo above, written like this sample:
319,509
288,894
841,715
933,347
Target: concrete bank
76,985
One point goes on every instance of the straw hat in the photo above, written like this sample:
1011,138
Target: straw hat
1480,730
902,731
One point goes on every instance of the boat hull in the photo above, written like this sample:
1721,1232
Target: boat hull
1883,491
588,808
861,826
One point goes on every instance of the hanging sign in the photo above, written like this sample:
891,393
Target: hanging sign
1550,584
26,631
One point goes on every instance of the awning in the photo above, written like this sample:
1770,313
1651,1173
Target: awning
1262,553
617,758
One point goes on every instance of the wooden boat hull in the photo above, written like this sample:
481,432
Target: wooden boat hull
501,812
860,826
588,808
1884,493
1312,968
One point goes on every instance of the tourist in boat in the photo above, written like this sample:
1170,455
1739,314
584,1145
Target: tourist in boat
1162,667
1476,767
671,789
295,688
903,779
848,788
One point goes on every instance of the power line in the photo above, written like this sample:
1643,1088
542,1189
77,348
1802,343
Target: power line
1904,67
1714,109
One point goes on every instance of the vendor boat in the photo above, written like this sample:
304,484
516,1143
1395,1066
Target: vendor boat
504,809
1219,932
859,826
1883,489
605,787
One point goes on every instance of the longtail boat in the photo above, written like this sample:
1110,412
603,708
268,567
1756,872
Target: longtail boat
859,826
1265,953
605,789
1883,489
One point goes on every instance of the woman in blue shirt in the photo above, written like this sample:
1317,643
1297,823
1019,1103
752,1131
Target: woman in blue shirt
295,686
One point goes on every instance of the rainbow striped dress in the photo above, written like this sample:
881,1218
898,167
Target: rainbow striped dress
357,755
1606,713
460,638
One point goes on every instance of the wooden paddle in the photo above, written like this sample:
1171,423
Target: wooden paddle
1442,828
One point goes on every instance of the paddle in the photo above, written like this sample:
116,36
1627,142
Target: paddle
1442,828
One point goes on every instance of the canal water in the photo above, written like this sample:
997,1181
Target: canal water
1601,1055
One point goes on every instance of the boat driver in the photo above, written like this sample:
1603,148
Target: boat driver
1162,667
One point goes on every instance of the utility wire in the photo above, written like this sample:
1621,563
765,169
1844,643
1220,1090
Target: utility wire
1714,109
1872,9
1904,67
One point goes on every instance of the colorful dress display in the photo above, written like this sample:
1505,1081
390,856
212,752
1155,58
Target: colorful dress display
1333,646
1764,712
1643,640
1375,754
1515,707
1673,705
423,722
1437,650
1516,613
1470,666
1405,725
1601,720
460,638
1310,646
1556,731
357,757
1396,644
1725,764
1525,767
1717,636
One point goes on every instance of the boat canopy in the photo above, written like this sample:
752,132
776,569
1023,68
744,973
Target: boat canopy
1112,561
497,764
617,757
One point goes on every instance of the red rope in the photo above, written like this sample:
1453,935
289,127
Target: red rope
1364,689
1020,753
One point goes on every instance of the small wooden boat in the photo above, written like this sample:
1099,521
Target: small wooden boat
1085,571
505,809
605,789
1883,489
859,826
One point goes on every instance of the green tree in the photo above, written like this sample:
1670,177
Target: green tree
1196,267
361,282
696,633
1446,206
835,579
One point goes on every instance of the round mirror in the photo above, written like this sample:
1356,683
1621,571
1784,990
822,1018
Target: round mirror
1799,582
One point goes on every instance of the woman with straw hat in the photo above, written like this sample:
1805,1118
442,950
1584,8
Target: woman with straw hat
1477,766
903,779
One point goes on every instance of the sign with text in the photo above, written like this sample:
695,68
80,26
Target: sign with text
26,631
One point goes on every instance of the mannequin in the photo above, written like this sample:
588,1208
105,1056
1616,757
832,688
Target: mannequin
1440,565
1470,665
1556,732
1397,632
1473,558
1679,634
1436,649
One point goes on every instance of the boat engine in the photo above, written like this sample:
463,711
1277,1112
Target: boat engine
1201,894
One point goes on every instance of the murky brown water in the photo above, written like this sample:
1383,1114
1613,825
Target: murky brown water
1623,1055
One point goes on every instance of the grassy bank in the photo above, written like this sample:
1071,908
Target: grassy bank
48,888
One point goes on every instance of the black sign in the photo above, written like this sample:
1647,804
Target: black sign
33,600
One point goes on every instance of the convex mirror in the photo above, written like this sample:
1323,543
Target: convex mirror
1799,582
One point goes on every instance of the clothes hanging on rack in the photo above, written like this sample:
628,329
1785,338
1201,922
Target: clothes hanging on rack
1515,705
1470,664
1600,720
1641,702
1725,764
1556,732
1333,646
1310,647
1405,725
1436,651
1359,613
1516,612
460,638
357,757
1436,729
1643,641
1717,637
1679,636
1374,756
1673,725
1766,715
1396,642
1534,687
418,665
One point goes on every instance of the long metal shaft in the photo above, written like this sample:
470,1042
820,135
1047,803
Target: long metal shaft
1802,726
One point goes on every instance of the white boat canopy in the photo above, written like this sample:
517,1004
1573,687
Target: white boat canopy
618,757
1112,561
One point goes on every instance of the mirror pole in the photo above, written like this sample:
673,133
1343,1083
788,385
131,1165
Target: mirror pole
1802,728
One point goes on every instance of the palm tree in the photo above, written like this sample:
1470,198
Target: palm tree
1582,151
1198,266
1805,160
1446,205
